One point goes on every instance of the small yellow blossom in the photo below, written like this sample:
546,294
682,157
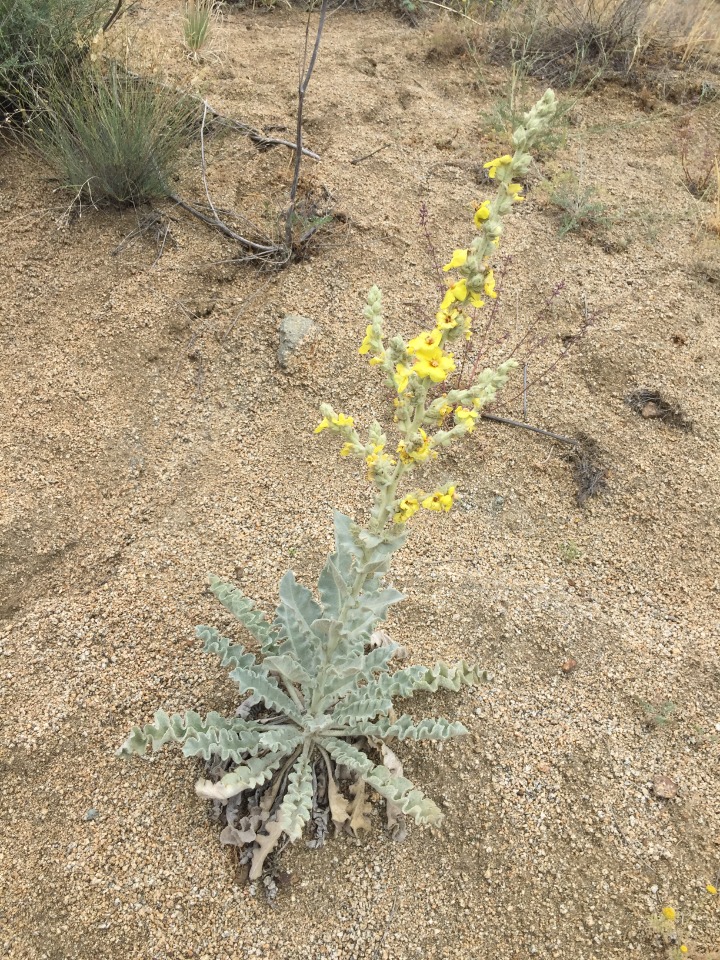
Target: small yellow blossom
444,411
515,189
367,342
482,214
468,417
406,508
668,913
459,259
419,454
459,293
711,889
683,948
401,377
426,343
347,449
490,284
339,421
434,365
492,166
439,500
447,319
376,361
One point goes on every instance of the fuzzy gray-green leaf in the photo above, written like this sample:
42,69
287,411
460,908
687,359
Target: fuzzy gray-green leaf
266,688
405,728
166,729
231,654
243,741
244,610
253,772
294,617
297,804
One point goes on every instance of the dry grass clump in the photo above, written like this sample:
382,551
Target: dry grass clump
571,40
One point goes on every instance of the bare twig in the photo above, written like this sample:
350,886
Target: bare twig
305,76
257,136
113,17
258,251
525,384
371,154
526,426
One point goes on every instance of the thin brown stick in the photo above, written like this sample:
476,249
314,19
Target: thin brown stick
259,250
302,89
526,426
257,136
371,154
113,17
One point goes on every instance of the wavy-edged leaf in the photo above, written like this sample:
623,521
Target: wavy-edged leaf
231,654
398,790
266,688
296,807
166,729
360,705
239,743
410,680
431,728
347,550
250,774
244,610
294,617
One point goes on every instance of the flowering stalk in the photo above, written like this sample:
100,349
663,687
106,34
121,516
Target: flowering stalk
414,368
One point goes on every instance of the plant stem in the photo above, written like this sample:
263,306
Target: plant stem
302,88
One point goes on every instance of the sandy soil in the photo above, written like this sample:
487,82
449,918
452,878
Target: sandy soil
149,437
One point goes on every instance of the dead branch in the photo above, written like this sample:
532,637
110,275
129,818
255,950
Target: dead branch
526,426
257,137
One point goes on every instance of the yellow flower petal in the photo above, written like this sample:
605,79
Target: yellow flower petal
459,259
323,425
425,343
492,166
482,214
490,284
367,342
668,913
711,889
401,377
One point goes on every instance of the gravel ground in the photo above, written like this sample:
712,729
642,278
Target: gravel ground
149,436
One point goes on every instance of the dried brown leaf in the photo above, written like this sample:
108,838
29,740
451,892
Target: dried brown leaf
359,809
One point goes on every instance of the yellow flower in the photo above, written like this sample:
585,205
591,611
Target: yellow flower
444,411
447,319
683,948
439,500
459,293
515,189
482,214
367,342
406,508
339,421
490,284
668,913
492,166
435,365
376,361
419,454
711,889
468,417
459,259
401,377
347,449
426,343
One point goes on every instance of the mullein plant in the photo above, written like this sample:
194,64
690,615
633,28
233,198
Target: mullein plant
318,714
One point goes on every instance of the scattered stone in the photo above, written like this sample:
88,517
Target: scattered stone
569,665
92,814
664,787
294,329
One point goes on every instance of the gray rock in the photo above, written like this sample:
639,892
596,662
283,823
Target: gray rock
294,329
92,814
